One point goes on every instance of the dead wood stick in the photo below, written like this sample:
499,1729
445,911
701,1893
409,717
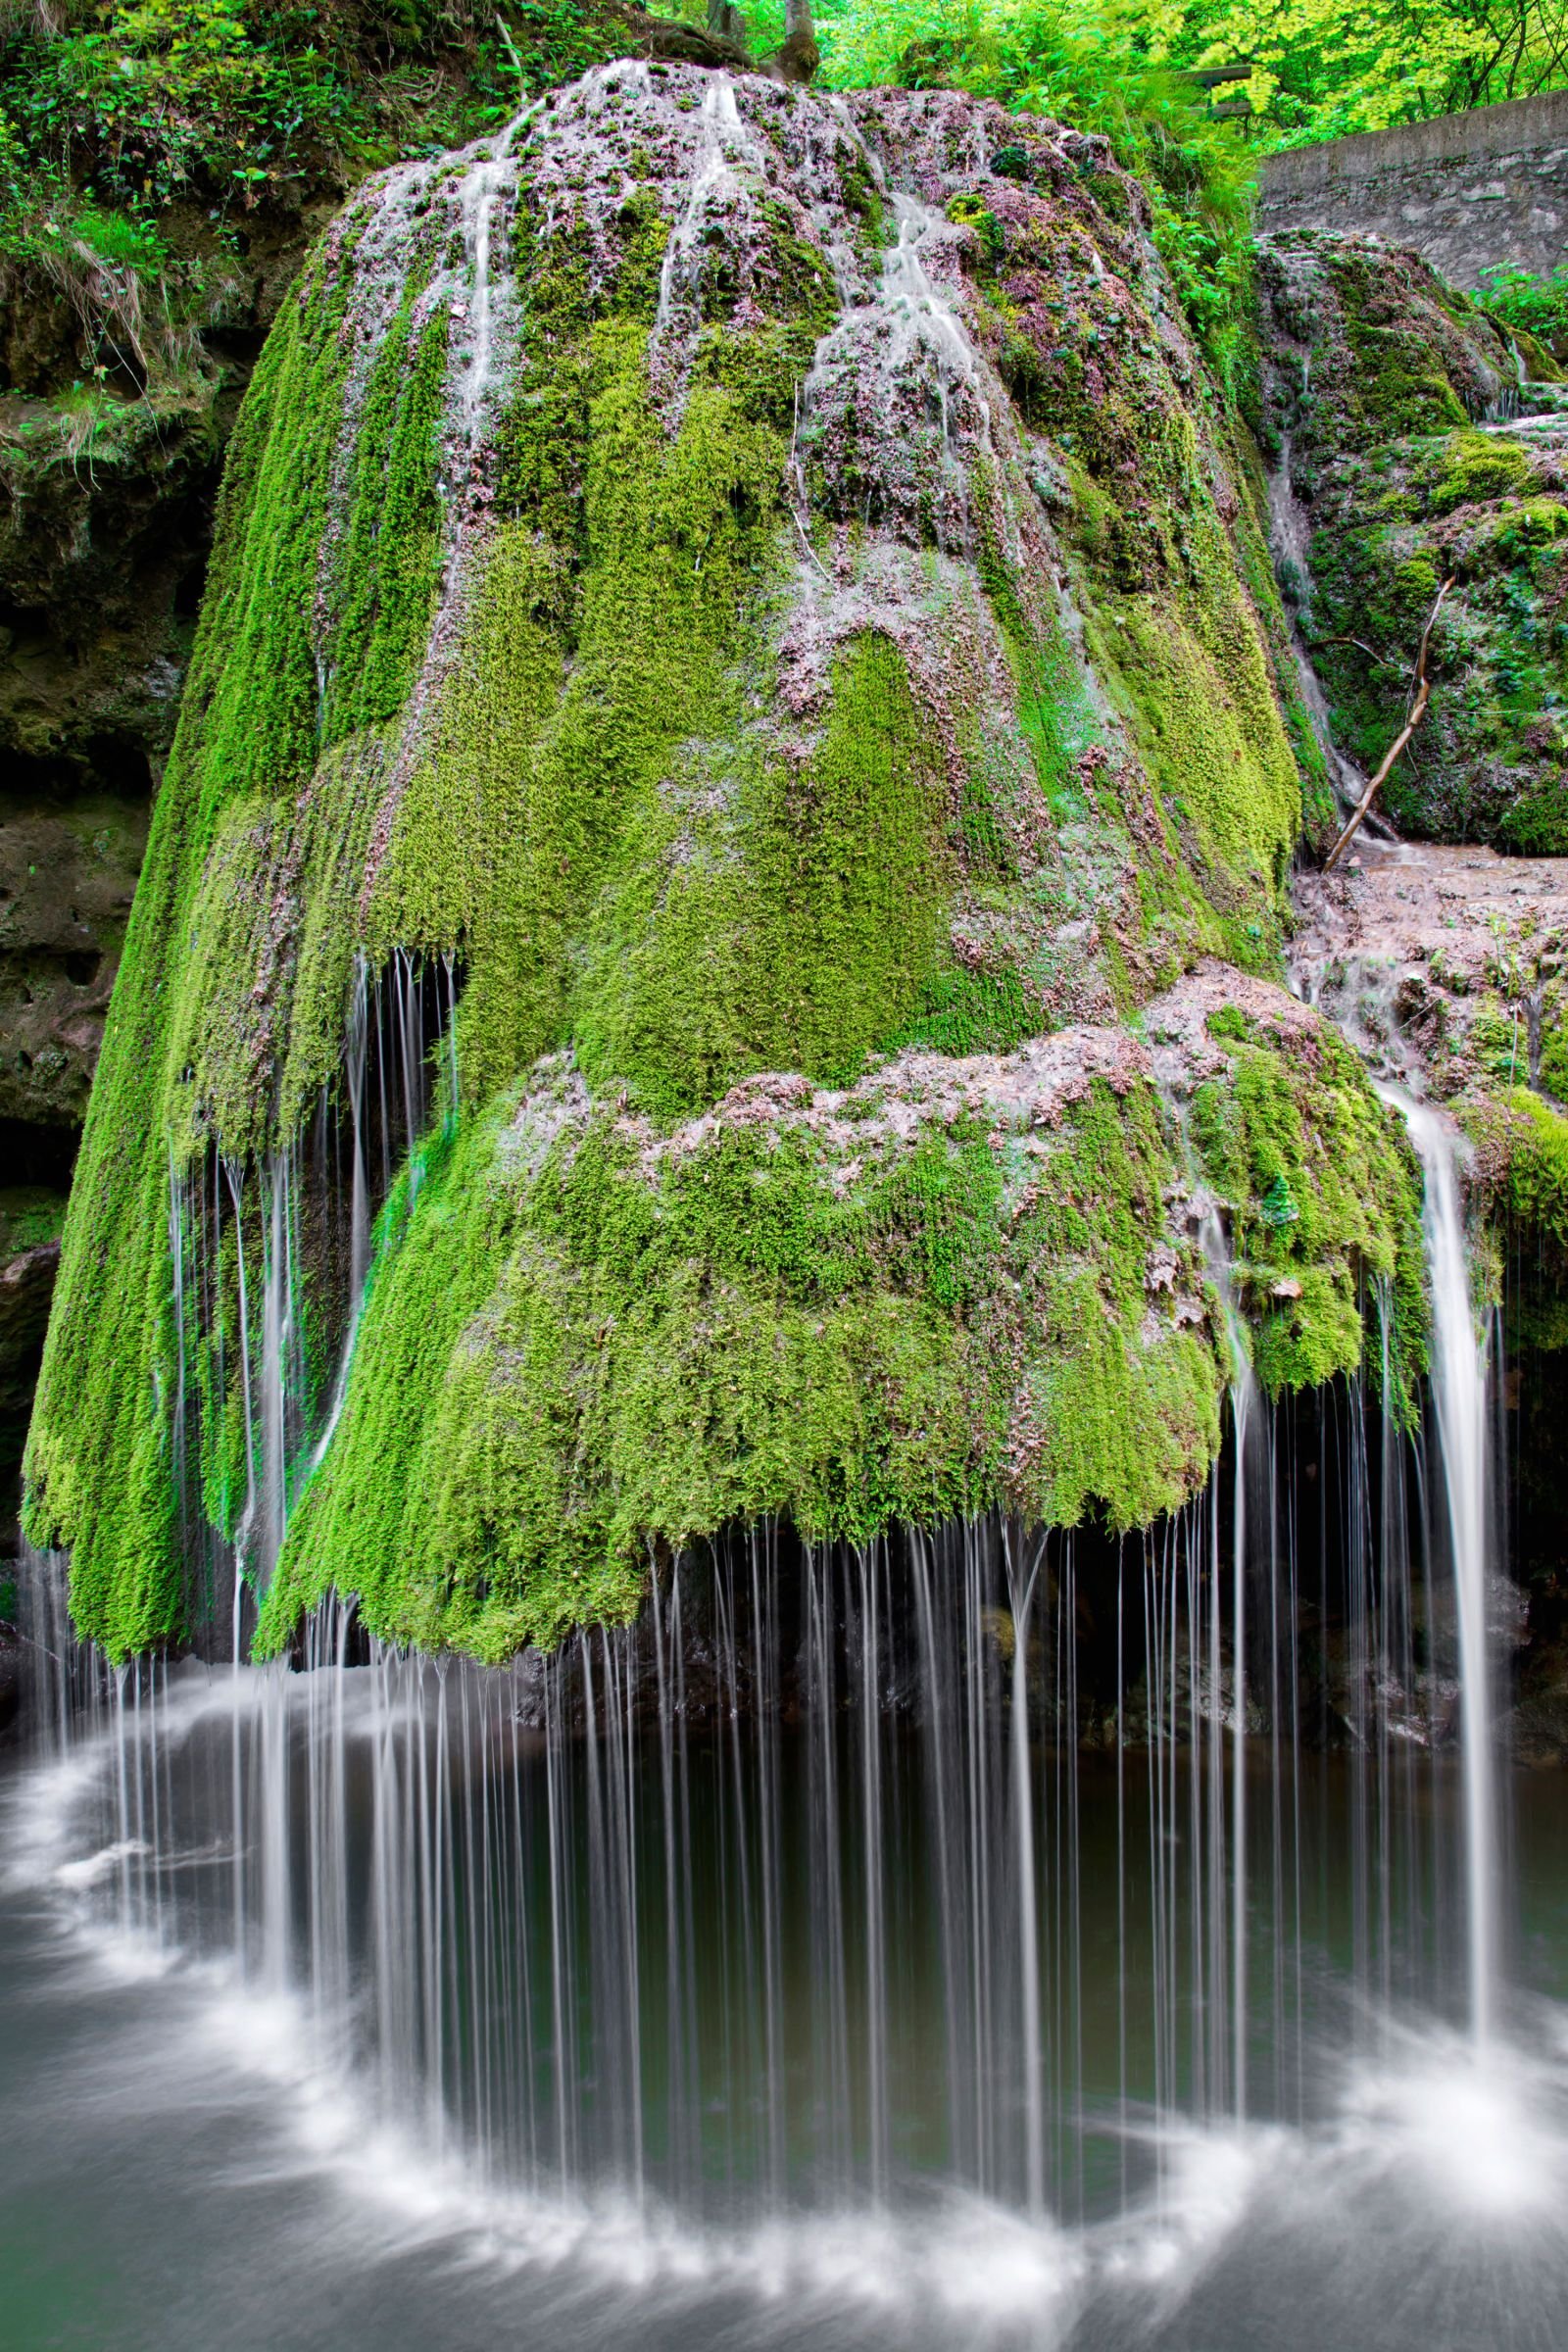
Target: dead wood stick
1412,719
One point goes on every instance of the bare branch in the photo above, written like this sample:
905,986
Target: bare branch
1413,717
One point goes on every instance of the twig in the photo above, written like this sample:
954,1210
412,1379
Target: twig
1382,661
1413,717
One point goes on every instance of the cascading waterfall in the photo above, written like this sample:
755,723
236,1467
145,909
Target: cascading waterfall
776,1897
250,1349
1459,1400
982,1921
1036,1875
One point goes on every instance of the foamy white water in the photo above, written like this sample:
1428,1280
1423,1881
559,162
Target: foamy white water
1407,2145
1459,1395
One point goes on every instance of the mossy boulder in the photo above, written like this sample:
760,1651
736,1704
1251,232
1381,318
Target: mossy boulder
1412,457
795,668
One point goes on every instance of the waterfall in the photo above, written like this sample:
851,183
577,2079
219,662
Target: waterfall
777,1897
987,1928
1459,1397
482,186
1365,990
973,1929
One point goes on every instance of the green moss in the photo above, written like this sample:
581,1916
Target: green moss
1531,1139
791,928
714,803
1323,1199
1478,467
640,1344
1553,1070
1202,707
1404,495
391,548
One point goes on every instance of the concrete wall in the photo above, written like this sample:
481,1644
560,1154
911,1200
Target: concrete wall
1471,192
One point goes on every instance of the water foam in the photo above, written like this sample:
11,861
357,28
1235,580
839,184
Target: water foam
1482,2133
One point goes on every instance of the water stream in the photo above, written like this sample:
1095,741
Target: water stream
1459,1398
977,1936
1023,1938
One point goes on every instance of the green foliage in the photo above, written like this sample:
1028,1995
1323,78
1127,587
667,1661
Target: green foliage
1327,68
1528,305
1322,69
1325,1205
163,94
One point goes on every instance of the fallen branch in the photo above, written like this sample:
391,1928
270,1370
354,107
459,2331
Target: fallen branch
1413,717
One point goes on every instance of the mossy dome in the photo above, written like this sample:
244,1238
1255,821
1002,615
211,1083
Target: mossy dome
742,647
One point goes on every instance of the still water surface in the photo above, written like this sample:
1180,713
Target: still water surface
184,2167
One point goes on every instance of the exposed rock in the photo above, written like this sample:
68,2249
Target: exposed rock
1454,960
66,877
764,586
1413,452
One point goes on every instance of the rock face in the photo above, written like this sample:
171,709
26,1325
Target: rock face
1473,192
741,701
119,391
1408,452
106,489
1453,959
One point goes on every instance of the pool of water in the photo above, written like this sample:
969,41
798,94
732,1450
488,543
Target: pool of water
197,2149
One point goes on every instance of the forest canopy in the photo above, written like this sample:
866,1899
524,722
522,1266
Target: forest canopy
1318,68
138,138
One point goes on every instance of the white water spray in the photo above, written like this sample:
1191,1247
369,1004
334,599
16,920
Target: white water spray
1459,1396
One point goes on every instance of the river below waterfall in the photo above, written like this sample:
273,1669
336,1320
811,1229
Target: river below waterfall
984,1934
199,2146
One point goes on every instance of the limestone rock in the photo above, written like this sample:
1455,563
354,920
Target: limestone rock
1410,449
818,894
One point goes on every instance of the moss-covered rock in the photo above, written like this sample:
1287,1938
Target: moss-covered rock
138,277
1393,404
958,1285
799,659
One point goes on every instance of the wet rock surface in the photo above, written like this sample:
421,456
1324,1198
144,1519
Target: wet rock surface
1415,446
1452,959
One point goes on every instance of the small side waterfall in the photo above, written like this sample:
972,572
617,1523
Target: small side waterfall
1459,1398
1363,989
262,1353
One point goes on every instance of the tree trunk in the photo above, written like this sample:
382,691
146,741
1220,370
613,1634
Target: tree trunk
800,55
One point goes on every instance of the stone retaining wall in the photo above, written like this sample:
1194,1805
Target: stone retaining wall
1471,192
